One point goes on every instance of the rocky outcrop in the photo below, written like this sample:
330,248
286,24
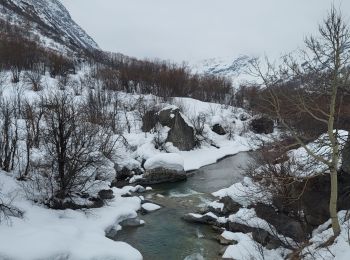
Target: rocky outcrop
162,175
200,219
315,191
218,129
181,133
230,206
262,125
259,235
284,224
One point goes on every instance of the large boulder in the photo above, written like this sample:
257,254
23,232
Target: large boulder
168,167
262,125
316,192
208,219
284,224
161,175
230,206
218,129
259,235
181,133
106,194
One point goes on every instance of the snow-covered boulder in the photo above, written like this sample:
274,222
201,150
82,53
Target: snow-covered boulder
149,207
169,161
168,167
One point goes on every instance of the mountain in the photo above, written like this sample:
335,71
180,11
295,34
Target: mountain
50,21
236,69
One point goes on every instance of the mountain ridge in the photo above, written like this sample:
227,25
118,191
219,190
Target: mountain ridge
51,21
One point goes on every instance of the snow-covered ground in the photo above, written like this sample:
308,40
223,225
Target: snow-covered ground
64,234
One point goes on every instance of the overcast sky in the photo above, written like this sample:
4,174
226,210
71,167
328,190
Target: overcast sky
191,30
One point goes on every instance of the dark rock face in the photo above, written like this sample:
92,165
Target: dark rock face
266,239
230,206
284,224
124,173
262,125
218,129
205,219
259,235
181,134
149,120
314,199
166,117
161,175
106,194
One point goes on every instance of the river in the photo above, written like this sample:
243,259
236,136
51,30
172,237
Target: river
165,235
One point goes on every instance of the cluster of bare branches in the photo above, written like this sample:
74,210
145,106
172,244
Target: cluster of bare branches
7,209
313,88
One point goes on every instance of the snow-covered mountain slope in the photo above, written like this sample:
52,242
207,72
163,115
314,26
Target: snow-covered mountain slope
234,68
48,19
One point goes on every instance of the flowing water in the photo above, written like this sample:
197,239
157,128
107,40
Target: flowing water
165,235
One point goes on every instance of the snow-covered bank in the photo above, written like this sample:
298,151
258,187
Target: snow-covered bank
65,234
193,160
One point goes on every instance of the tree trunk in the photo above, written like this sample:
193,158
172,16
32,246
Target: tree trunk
333,202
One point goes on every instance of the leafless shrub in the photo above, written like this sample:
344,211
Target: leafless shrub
73,154
199,122
16,73
7,209
33,77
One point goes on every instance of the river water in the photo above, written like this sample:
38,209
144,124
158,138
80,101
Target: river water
165,235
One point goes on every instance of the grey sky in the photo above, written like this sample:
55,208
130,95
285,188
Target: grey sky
191,30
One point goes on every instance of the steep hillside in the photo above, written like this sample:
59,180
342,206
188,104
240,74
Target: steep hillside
50,21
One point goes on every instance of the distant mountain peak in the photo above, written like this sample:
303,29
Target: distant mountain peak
234,68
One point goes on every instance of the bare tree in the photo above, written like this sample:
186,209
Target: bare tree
314,88
9,134
73,152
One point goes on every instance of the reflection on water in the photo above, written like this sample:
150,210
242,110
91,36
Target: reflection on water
165,235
